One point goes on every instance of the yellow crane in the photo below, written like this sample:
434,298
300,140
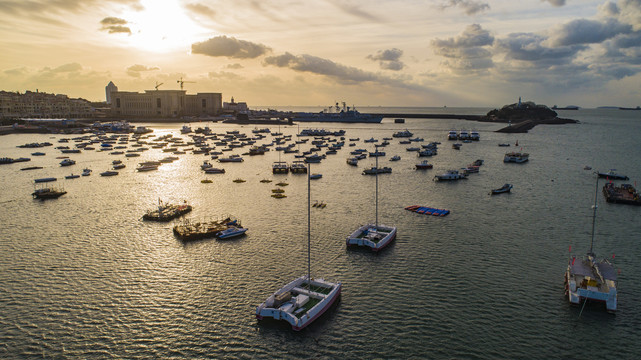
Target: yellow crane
181,82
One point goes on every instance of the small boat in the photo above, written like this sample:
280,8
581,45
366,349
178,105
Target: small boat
304,299
516,157
38,154
86,172
119,166
399,121
403,134
457,146
373,235
166,211
278,191
109,173
376,170
213,170
280,167
450,175
282,184
503,189
624,194
315,176
611,175
352,161
231,232
395,158
42,180
504,144
67,162
147,168
265,181
47,193
72,176
206,181
589,279
424,165
31,168
239,180
188,230
279,196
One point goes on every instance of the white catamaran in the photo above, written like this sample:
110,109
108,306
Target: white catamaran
589,279
375,236
305,299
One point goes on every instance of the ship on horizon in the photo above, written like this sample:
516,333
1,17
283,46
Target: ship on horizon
345,114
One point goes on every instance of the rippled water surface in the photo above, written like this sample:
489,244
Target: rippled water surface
83,277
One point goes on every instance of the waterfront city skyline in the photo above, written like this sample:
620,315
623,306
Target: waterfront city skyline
287,52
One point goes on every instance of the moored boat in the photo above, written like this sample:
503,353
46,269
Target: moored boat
588,279
503,189
612,175
303,300
231,232
166,211
516,157
47,193
623,194
424,165
450,175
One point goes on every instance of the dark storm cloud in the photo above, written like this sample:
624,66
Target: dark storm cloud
229,47
470,7
583,31
468,51
389,59
115,25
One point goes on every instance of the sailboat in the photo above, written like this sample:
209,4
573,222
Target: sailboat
375,236
589,279
305,299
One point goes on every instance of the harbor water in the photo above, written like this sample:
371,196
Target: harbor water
82,276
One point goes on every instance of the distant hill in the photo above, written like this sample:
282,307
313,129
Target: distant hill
523,116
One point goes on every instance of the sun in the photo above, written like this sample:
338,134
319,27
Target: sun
162,26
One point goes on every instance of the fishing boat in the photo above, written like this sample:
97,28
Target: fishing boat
395,158
86,172
42,180
423,165
376,170
516,157
303,300
280,167
503,189
147,167
403,134
298,167
31,168
450,175
188,231
315,176
109,173
72,176
374,236
213,170
47,193
612,175
352,161
67,162
624,194
166,211
588,279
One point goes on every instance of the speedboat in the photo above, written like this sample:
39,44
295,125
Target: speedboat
230,232
424,165
516,157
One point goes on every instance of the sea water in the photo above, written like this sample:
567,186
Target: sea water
83,276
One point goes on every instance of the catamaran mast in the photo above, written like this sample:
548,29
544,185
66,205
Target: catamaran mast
596,194
376,175
309,267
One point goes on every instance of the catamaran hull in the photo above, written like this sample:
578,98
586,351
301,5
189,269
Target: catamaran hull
263,311
578,295
357,240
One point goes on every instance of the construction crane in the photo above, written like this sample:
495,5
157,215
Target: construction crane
158,85
181,82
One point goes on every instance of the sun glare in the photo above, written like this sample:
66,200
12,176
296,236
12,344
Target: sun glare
162,26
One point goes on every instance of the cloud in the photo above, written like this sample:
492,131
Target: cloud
556,3
234,66
229,47
388,59
630,13
342,74
350,8
115,25
200,9
223,75
29,7
467,52
583,31
530,47
135,70
470,7
71,67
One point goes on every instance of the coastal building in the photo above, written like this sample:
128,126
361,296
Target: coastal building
164,103
235,107
41,105
110,88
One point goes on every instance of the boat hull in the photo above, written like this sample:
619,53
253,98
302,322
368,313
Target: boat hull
367,236
268,309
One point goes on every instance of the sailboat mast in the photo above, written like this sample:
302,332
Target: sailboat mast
596,194
309,199
376,175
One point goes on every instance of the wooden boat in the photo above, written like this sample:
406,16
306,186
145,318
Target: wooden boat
166,211
47,193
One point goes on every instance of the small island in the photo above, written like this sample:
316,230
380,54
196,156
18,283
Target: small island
523,116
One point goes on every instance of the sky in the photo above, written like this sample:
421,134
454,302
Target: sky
477,53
